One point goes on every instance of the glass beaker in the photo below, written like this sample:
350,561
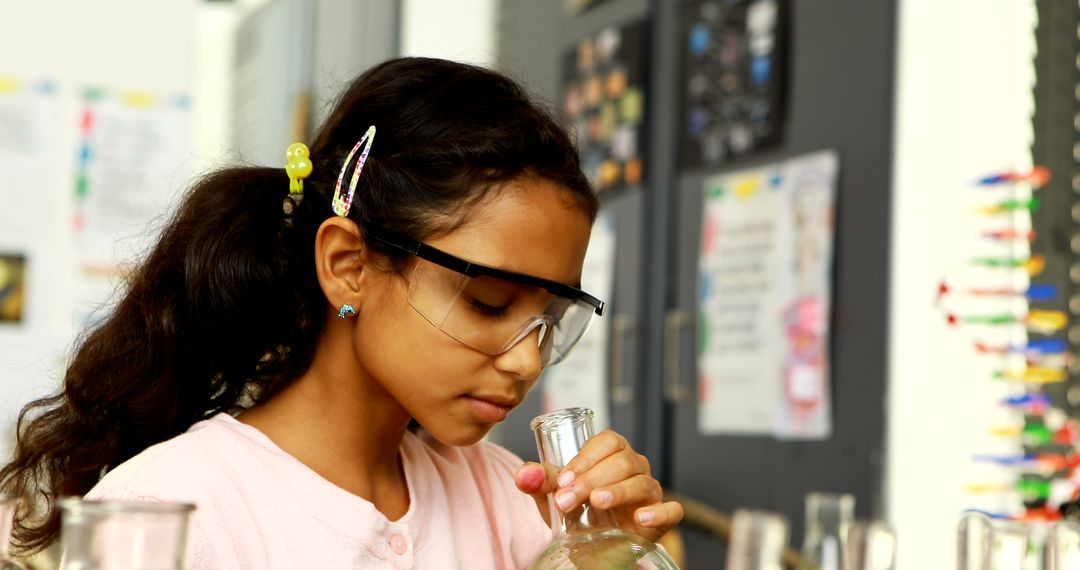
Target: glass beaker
105,535
586,537
871,545
757,540
974,541
828,518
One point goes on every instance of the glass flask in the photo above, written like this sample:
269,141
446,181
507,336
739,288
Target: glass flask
757,540
871,545
828,518
8,504
103,535
586,537
1063,545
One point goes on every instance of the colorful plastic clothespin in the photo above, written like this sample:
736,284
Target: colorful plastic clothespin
1047,345
1009,460
1041,321
1037,177
1033,375
1046,322
1028,236
1032,349
1032,399
1040,292
1011,205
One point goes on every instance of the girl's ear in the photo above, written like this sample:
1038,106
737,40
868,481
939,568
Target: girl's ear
340,260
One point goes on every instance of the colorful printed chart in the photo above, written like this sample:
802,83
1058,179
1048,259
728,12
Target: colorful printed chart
765,297
134,160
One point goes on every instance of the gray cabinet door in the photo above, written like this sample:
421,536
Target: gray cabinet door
839,97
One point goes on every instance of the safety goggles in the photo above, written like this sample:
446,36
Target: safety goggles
490,309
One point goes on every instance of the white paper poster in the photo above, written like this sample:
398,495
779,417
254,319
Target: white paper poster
765,297
581,379
133,163
134,160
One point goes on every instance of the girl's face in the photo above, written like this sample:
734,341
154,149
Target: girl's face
459,393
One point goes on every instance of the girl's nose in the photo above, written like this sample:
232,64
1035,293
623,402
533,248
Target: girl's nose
523,360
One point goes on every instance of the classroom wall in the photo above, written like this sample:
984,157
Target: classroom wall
170,47
963,110
463,30
73,44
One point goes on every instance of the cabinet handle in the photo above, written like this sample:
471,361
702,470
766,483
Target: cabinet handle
622,326
674,324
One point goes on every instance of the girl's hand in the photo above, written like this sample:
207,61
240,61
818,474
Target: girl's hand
611,476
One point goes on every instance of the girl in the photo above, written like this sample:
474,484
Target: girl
316,374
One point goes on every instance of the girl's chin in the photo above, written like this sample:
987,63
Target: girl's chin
459,436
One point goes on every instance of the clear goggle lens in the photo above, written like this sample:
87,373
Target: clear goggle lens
492,315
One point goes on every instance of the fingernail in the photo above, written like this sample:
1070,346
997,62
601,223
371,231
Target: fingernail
566,478
603,498
644,517
565,499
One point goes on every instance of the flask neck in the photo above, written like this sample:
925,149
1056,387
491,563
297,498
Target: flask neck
560,435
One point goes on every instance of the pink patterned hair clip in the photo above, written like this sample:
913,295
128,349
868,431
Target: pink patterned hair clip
342,204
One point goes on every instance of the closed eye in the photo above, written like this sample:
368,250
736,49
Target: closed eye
489,310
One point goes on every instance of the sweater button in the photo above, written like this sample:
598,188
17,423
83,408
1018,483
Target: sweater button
398,544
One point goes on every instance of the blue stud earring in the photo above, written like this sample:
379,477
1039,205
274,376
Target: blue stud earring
345,311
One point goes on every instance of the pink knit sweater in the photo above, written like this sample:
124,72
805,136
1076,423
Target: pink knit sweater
260,508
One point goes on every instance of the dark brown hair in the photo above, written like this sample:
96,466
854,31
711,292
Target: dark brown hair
226,307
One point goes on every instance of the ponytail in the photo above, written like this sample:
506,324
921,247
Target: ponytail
225,307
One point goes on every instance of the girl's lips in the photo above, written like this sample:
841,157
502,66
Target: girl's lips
490,409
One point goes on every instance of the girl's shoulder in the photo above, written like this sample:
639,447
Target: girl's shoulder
177,468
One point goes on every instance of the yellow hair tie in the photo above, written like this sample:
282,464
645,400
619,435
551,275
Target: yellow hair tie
297,166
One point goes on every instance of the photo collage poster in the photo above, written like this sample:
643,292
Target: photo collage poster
604,97
733,69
